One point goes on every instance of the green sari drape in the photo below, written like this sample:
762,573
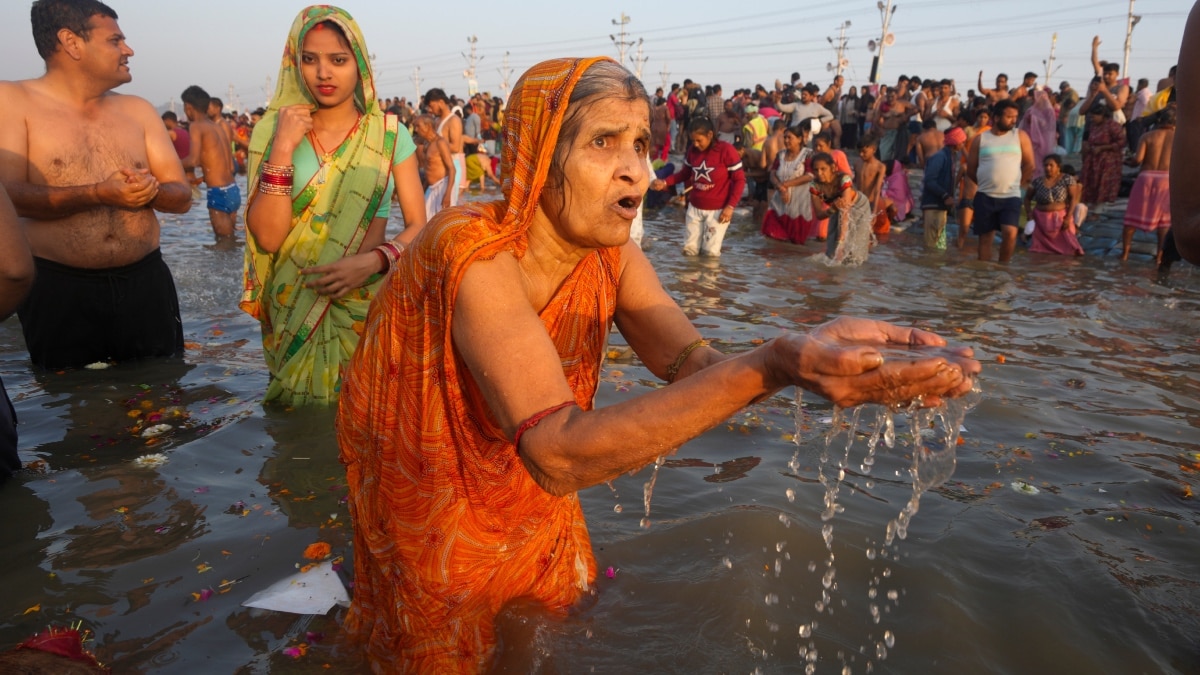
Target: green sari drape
307,337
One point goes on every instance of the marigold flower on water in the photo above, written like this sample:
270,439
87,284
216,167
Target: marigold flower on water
317,551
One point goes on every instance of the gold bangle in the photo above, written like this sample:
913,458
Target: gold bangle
673,369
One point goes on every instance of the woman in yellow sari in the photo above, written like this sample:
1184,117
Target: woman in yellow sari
324,162
467,424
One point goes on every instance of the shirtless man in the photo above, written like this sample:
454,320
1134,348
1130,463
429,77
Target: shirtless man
86,169
1149,201
893,121
929,142
449,127
869,181
728,123
216,115
214,156
1185,202
437,162
1000,93
830,99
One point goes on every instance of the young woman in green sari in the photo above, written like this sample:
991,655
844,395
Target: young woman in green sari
324,162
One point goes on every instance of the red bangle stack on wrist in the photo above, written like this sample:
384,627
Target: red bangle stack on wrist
276,179
389,253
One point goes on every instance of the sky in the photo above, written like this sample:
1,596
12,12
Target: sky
232,47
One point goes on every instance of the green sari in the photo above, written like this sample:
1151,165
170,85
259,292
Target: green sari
307,337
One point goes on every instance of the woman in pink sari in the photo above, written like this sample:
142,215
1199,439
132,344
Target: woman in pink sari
1040,123
1050,201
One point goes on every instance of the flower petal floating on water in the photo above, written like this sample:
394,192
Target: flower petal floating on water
1022,486
156,430
31,610
610,573
297,651
318,551
151,461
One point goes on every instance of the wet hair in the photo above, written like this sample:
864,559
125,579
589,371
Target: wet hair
1112,68
1054,157
778,124
824,157
869,142
701,125
197,98
214,101
1030,74
170,116
1166,117
823,137
50,16
929,124
434,95
1003,105
1000,75
603,81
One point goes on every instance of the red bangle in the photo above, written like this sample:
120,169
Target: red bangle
535,418
383,259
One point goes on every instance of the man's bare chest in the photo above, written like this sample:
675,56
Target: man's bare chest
73,150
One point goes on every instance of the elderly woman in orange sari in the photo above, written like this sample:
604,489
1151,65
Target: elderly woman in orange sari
466,422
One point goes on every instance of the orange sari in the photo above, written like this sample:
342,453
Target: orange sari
449,526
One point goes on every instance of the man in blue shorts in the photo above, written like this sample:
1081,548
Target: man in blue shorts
1000,162
214,156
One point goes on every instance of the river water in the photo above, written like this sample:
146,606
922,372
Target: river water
1067,539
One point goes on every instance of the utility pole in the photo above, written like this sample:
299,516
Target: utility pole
1050,62
472,63
267,92
416,80
1129,24
621,43
665,74
639,61
840,49
229,98
505,75
885,13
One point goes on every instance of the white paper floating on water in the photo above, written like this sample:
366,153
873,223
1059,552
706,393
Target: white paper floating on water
1022,486
156,430
99,365
313,592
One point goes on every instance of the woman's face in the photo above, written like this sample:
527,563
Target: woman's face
791,142
823,172
328,66
854,91
1051,169
604,176
702,139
